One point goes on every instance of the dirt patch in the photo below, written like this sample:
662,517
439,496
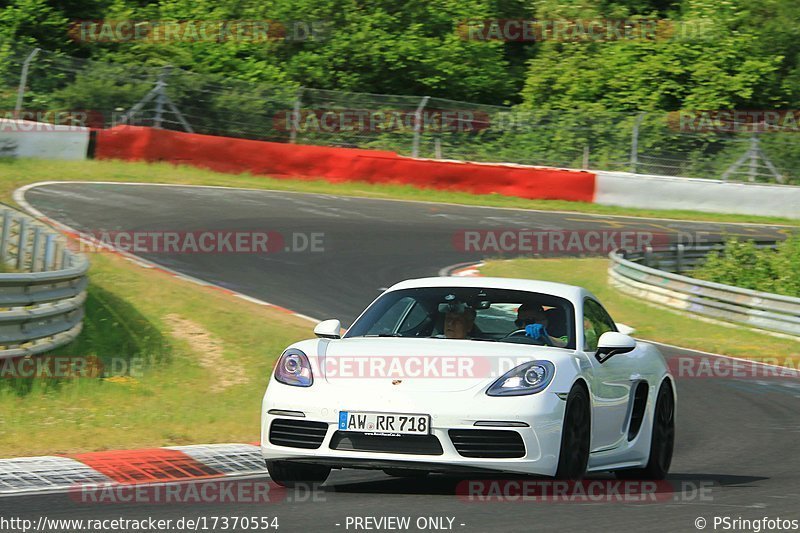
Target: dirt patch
209,349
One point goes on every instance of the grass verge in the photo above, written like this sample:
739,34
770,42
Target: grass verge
14,173
651,322
203,359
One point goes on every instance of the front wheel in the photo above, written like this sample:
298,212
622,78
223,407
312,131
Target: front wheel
575,435
663,440
290,475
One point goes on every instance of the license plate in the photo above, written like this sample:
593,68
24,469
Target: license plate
386,423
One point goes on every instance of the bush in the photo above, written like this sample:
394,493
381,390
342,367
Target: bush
741,264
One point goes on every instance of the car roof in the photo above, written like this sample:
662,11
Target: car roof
570,292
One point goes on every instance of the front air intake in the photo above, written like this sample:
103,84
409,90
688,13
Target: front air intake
297,433
488,444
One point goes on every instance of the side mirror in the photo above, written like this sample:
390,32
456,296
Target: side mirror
328,329
612,343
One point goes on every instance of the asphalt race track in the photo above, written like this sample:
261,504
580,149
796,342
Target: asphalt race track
736,445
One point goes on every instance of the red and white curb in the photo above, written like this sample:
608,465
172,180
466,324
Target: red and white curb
119,468
463,270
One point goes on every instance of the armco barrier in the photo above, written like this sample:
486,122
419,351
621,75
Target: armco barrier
760,310
42,287
227,154
713,196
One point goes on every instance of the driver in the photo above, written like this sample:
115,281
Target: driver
459,322
529,316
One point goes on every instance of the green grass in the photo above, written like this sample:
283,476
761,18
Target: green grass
15,173
651,322
171,402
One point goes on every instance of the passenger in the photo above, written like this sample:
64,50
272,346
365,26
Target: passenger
533,315
459,323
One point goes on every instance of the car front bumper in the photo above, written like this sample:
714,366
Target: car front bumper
542,414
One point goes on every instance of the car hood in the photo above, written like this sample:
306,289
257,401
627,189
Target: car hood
435,365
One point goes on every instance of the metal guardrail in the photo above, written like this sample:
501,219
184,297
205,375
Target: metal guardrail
42,287
654,275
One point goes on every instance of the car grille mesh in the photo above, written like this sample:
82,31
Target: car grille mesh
486,443
408,444
297,433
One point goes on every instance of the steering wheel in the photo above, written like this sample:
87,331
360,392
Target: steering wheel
522,333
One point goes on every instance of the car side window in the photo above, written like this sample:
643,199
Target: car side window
595,322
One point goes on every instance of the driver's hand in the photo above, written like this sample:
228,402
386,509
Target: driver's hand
535,331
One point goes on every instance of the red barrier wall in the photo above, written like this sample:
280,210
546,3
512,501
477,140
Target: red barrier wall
227,154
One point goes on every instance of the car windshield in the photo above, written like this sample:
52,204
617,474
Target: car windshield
499,315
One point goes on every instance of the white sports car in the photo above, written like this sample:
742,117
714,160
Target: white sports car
471,374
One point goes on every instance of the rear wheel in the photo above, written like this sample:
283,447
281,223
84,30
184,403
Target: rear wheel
289,474
575,435
663,440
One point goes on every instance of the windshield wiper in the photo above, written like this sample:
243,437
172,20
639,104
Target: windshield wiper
384,335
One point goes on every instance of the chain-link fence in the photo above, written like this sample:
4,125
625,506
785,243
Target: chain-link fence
646,143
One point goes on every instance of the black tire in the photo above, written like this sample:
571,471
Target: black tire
662,441
405,472
290,475
575,435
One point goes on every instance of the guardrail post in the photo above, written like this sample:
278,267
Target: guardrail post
6,231
648,256
37,241
22,244
49,252
679,258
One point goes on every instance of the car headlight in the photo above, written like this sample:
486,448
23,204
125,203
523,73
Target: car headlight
527,378
293,368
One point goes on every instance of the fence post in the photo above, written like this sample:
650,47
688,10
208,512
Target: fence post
161,85
679,258
418,126
586,157
6,232
23,80
635,142
296,116
22,243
